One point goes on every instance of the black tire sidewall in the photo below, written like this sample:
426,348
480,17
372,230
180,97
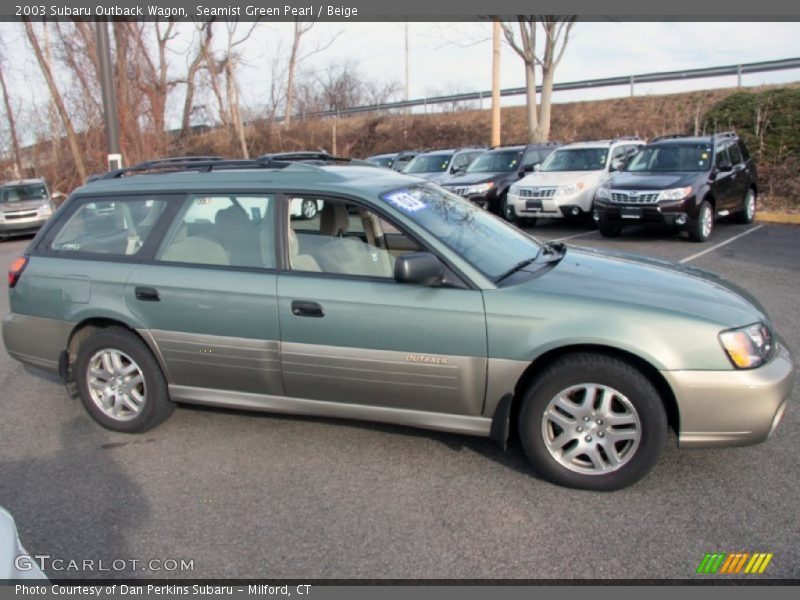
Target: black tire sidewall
157,403
605,371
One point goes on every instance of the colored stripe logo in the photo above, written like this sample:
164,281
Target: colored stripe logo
737,562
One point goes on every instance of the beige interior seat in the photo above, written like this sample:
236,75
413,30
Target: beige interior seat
346,255
300,262
195,249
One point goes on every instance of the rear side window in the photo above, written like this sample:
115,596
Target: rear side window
722,156
111,227
735,154
223,230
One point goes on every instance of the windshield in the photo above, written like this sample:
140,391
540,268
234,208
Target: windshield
20,193
485,241
672,158
496,162
382,161
428,163
576,159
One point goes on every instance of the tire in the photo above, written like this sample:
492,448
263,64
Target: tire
748,212
621,453
502,208
609,230
526,222
133,407
701,228
309,209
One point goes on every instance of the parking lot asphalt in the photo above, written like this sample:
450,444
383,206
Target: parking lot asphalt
258,495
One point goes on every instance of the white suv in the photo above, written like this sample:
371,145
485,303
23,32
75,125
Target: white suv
565,184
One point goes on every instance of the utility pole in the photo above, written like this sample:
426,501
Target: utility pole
408,84
495,83
109,98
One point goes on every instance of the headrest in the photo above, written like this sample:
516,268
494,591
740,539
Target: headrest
334,220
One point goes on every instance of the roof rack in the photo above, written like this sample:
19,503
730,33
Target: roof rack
193,163
312,157
673,136
726,134
623,138
548,143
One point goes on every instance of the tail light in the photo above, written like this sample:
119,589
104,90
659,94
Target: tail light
16,269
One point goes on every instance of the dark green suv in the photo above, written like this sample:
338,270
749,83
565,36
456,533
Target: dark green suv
189,281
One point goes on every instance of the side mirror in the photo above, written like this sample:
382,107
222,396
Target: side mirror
458,169
420,268
537,167
725,167
617,165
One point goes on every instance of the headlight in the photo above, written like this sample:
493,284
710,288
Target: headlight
603,193
45,210
514,190
569,190
481,188
747,347
675,193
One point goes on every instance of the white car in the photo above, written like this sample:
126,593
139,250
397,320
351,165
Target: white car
15,562
565,184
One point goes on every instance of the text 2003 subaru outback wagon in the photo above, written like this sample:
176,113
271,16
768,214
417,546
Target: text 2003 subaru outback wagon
399,302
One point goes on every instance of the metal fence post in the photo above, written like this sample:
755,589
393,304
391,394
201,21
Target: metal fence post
739,76
632,81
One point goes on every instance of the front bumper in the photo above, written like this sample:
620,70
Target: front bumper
676,213
553,207
732,408
21,226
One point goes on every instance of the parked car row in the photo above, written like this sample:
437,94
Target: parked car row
679,181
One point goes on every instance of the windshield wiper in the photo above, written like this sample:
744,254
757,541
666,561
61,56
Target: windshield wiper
549,252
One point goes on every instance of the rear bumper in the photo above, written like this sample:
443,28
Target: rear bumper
732,408
36,341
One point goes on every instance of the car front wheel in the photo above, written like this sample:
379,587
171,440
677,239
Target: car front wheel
592,421
609,230
700,229
309,209
120,382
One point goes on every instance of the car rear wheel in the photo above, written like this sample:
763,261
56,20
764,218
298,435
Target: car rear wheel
748,212
120,382
700,229
593,422
609,230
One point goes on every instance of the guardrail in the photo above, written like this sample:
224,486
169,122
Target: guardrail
631,80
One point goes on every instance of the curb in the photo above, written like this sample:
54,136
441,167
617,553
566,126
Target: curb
774,217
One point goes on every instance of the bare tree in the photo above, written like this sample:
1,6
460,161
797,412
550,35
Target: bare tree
12,124
205,33
556,32
66,122
295,58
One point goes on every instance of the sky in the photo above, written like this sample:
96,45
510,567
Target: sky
456,57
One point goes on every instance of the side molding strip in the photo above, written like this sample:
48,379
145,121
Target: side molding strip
478,426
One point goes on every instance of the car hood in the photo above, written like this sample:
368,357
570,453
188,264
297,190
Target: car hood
21,205
640,282
557,178
435,176
473,178
652,181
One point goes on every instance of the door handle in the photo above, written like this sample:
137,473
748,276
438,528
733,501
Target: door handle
304,308
147,294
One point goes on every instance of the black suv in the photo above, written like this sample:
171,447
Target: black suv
488,177
682,181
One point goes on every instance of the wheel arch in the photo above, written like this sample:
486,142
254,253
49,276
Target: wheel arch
90,325
504,420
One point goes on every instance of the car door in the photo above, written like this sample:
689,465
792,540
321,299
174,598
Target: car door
351,334
724,184
740,182
209,296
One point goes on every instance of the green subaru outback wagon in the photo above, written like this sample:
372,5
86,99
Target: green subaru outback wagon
189,281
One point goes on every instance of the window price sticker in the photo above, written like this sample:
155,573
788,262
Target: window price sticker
405,201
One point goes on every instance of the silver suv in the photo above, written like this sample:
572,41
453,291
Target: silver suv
566,182
25,205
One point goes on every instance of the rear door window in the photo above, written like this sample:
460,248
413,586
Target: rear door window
236,230
119,227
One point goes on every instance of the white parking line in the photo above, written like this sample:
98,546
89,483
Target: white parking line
714,247
571,237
